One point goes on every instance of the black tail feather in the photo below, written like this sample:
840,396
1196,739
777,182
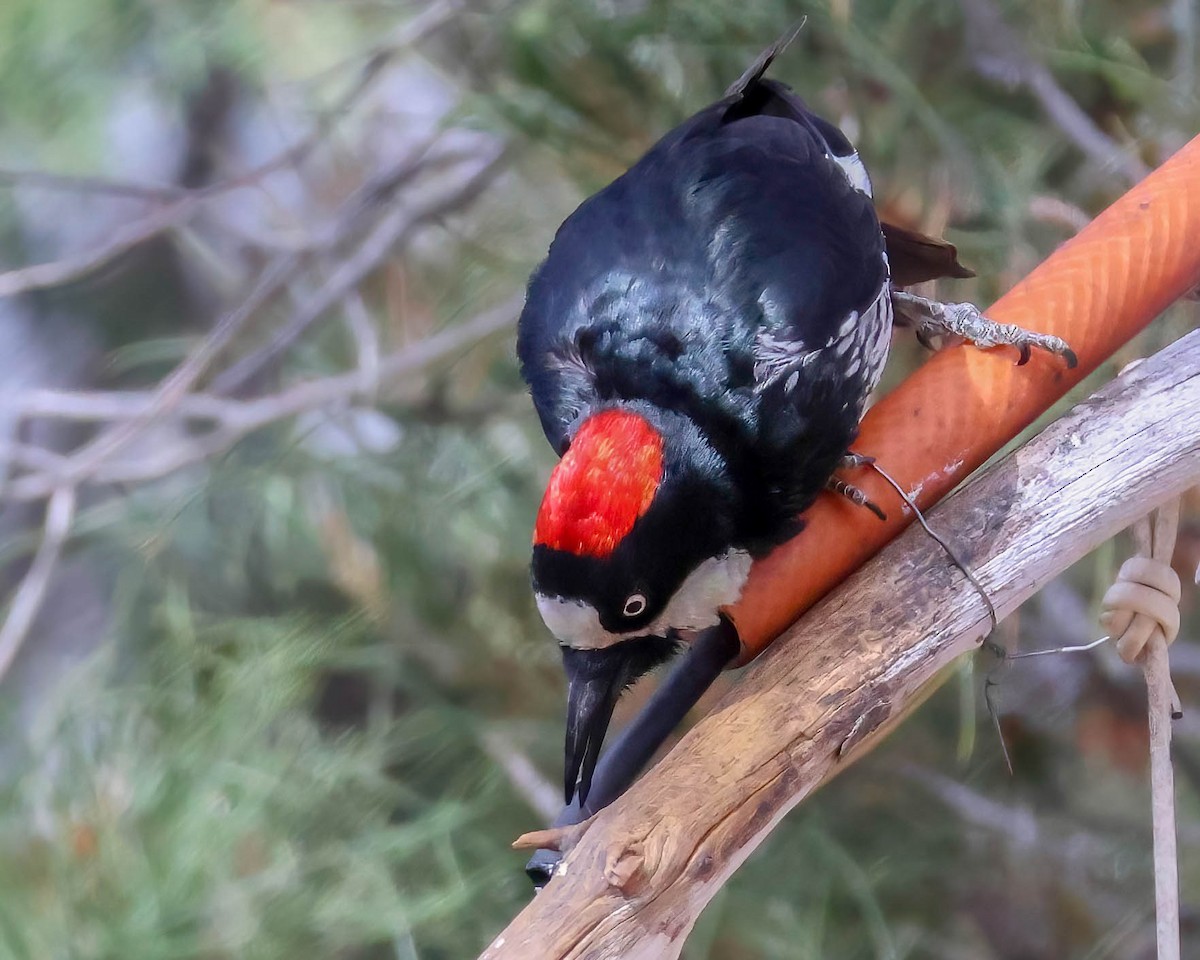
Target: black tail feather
915,258
755,71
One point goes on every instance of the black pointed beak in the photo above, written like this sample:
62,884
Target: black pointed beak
596,679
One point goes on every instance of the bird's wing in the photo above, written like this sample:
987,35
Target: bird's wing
810,251
744,239
794,229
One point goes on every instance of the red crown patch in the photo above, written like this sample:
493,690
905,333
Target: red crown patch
604,482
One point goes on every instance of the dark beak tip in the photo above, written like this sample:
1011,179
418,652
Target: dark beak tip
596,678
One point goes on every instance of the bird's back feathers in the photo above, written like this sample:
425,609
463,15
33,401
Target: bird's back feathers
725,276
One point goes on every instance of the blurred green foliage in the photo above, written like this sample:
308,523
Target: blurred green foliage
293,737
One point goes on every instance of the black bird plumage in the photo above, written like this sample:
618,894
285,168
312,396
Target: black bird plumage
731,290
700,344
729,258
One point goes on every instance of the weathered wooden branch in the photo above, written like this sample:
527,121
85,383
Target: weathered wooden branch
841,678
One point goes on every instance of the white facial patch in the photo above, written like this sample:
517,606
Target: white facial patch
715,583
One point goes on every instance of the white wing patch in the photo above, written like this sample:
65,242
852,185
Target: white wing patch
874,340
774,357
861,342
854,170
715,583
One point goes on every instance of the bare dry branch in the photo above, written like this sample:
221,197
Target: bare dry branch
1183,22
429,21
28,597
68,269
103,186
1019,827
363,206
541,795
104,405
28,457
999,55
842,677
562,839
390,232
233,419
175,386
435,16
365,336
182,203
1057,211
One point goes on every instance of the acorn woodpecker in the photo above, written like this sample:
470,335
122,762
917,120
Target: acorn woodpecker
700,343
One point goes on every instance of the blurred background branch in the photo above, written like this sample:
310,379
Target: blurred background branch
272,678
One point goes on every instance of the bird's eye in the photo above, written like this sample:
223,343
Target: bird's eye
634,605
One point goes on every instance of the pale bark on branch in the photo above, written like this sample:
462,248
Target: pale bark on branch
844,675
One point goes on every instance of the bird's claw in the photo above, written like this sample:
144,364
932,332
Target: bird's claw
931,318
854,494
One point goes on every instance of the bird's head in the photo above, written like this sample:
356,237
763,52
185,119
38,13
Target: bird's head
632,553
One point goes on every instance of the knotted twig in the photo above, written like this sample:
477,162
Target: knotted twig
1141,612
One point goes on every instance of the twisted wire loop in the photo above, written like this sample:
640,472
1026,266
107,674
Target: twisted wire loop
1141,612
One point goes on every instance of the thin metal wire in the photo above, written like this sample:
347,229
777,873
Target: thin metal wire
1080,648
966,571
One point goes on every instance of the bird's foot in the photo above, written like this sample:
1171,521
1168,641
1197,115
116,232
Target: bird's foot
850,461
931,318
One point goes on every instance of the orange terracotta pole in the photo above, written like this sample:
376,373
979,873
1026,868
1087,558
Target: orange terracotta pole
1096,292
